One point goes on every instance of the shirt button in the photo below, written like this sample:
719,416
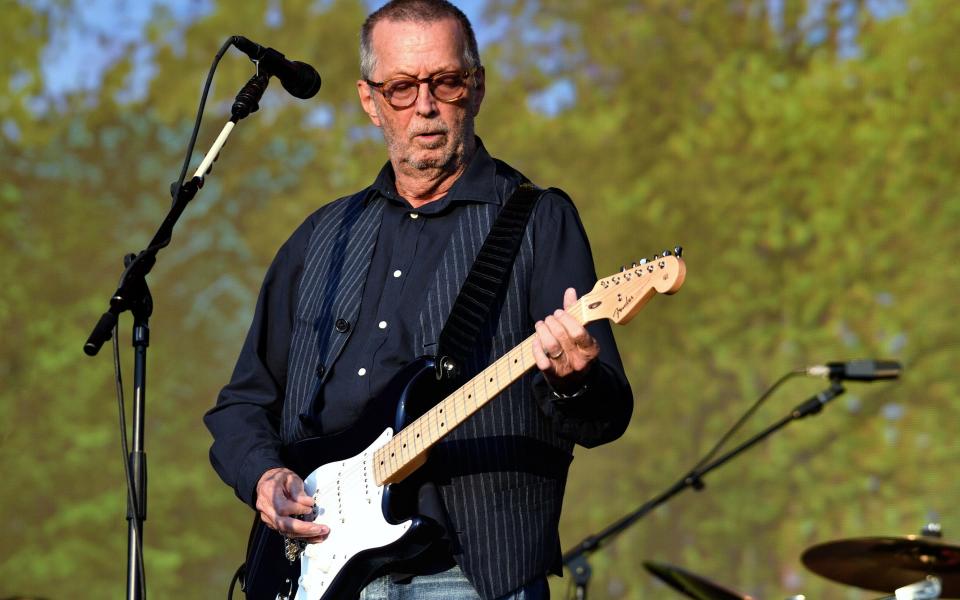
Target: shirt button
362,372
342,325
397,273
414,215
382,324
320,370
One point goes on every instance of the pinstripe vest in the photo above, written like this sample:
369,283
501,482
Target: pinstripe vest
501,474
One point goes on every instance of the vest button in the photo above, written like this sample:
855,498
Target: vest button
342,325
320,370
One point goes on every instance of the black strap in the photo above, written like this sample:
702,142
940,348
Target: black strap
487,280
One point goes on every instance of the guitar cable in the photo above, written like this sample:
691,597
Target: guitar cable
742,420
571,591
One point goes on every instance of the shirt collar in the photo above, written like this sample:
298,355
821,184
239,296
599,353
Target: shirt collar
476,184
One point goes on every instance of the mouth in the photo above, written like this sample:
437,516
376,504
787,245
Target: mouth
430,139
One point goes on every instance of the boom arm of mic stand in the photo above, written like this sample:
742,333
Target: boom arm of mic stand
133,279
575,559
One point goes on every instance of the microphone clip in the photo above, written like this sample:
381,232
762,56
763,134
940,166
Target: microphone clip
815,404
248,98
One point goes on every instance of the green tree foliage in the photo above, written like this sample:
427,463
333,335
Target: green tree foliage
810,177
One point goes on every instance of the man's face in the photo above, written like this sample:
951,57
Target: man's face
429,136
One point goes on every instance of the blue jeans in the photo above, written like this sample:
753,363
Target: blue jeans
448,585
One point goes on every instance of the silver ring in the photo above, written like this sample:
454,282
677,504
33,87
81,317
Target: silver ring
555,356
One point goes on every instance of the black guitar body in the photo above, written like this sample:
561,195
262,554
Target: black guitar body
269,575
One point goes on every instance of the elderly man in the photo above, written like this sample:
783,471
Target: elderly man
364,286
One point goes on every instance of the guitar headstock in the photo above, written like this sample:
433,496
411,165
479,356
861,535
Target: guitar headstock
621,296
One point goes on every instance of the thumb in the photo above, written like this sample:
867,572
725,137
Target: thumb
569,298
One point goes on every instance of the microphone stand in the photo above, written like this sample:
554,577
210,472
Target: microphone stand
133,294
576,559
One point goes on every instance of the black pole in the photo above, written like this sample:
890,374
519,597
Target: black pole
575,559
137,513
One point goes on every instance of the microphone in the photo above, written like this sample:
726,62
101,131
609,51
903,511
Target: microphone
857,370
298,78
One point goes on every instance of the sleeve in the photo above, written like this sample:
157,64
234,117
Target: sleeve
245,422
562,259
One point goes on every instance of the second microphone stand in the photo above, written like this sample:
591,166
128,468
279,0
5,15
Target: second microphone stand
576,559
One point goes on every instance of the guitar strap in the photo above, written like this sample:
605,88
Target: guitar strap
486,284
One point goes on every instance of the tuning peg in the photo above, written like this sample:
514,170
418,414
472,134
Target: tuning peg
666,253
678,251
643,261
634,265
623,268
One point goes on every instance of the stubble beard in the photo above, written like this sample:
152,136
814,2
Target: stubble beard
404,150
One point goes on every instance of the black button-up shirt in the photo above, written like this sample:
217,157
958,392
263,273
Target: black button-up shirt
408,248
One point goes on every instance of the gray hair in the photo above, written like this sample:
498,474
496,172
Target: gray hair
416,11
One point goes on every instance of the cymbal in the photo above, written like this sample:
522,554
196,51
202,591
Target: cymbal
690,585
884,564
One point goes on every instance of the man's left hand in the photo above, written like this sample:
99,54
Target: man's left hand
563,348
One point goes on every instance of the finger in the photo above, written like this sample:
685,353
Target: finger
540,357
297,493
583,342
548,340
569,298
295,528
284,505
559,333
318,538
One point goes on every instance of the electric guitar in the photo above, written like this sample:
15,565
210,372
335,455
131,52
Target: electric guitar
357,493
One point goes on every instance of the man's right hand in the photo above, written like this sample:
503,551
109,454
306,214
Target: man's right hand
280,495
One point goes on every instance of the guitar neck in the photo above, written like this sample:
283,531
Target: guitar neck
618,297
407,450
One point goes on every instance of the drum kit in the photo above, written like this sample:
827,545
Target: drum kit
913,567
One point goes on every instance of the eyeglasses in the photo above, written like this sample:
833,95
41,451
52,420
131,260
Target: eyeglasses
401,92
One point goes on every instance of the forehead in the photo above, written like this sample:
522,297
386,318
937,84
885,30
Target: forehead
419,49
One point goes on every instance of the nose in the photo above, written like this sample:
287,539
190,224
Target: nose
426,104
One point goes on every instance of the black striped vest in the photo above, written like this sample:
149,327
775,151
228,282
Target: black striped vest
501,474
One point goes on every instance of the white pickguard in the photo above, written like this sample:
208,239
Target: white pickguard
349,501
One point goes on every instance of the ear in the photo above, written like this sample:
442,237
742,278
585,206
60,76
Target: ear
479,89
367,101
